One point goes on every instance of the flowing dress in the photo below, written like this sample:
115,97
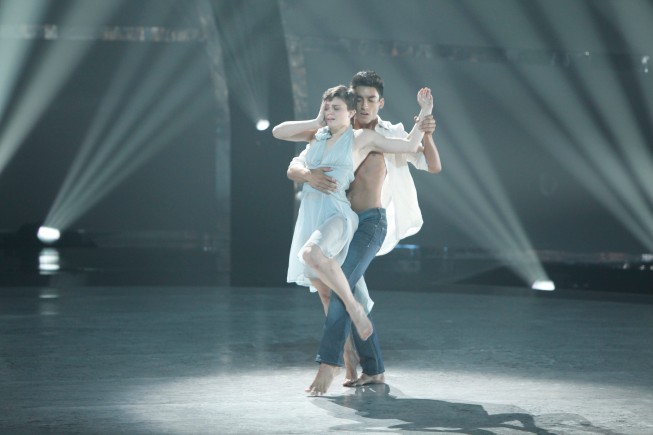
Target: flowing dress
326,219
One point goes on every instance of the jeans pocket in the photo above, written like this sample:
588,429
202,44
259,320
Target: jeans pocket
369,231
381,230
375,233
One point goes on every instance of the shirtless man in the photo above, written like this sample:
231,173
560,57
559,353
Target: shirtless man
383,185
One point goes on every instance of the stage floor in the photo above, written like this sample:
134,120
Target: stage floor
205,359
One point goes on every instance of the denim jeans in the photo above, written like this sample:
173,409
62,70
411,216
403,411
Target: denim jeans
367,240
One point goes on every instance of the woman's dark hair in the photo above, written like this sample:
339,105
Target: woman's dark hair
368,78
344,93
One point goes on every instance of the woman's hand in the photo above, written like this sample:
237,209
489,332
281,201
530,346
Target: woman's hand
320,115
425,100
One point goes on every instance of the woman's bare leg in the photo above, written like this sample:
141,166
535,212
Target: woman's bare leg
330,273
325,294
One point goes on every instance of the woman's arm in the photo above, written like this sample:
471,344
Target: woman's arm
300,131
369,140
425,101
296,131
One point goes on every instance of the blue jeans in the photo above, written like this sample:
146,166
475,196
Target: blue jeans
368,238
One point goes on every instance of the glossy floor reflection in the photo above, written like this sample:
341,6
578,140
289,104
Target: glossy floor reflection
459,359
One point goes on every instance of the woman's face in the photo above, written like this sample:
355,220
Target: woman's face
336,113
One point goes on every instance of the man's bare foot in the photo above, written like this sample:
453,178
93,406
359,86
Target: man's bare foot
323,379
367,380
361,322
351,363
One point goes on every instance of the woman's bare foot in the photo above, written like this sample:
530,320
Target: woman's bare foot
361,322
325,375
351,363
367,379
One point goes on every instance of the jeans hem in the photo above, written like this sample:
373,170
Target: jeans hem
321,361
375,374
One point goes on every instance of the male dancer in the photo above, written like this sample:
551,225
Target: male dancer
383,194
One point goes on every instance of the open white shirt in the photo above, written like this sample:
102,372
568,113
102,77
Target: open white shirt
398,195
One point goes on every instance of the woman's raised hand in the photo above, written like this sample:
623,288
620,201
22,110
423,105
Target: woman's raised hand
425,100
320,115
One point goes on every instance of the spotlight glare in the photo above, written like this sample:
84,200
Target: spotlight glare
543,284
48,234
262,124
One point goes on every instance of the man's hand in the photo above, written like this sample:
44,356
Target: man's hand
427,126
319,180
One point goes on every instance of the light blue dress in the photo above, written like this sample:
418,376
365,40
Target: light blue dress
325,219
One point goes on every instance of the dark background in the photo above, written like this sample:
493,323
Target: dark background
502,121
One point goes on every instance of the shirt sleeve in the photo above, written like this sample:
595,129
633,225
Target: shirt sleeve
416,159
300,160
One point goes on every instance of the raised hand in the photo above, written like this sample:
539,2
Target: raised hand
320,115
425,100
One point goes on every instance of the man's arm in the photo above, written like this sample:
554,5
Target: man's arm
316,178
427,126
428,143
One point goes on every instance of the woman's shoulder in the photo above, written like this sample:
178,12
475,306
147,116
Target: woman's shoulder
322,134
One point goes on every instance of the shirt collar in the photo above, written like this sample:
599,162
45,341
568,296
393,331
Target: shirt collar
383,124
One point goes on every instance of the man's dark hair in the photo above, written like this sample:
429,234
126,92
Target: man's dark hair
344,93
368,78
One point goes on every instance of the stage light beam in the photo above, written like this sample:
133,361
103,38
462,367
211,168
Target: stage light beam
124,135
240,26
477,201
48,77
590,121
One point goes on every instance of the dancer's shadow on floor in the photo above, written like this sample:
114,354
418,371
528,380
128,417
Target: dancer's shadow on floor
374,403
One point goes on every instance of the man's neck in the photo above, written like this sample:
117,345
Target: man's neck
369,126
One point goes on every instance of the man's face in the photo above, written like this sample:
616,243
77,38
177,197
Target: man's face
368,104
